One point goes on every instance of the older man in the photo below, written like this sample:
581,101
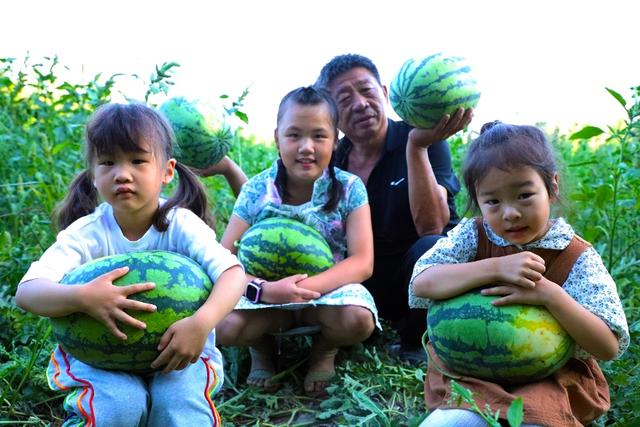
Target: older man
410,183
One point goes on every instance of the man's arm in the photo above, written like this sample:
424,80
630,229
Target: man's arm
428,199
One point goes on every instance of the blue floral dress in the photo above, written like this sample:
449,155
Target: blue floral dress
259,199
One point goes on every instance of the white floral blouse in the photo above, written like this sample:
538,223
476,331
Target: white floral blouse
589,282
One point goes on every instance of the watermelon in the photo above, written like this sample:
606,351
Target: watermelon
203,135
182,286
507,345
426,89
278,247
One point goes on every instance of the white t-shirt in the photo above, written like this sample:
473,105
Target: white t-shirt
98,234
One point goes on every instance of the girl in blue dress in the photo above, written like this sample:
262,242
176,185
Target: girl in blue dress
304,185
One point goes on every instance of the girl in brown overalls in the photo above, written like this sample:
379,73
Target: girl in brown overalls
511,177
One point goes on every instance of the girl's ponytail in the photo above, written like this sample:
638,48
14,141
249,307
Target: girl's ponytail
336,187
190,194
281,181
81,200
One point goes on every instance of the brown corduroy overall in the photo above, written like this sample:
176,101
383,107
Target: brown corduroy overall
573,396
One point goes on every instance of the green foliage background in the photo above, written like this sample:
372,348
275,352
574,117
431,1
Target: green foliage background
41,130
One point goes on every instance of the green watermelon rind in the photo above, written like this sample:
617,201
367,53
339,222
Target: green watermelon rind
200,142
279,247
182,286
509,345
425,89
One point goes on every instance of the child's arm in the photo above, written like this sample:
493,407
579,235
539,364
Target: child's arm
100,299
448,280
588,330
234,231
183,342
358,265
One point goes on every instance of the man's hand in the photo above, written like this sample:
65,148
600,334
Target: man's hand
220,168
447,126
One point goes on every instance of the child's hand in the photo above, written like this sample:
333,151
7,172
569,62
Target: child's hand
541,294
286,290
106,302
181,344
523,269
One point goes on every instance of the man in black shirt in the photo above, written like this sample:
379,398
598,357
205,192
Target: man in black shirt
410,183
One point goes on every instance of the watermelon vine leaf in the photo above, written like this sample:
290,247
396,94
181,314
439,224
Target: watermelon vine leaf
514,414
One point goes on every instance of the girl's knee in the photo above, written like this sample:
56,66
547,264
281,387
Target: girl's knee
95,392
350,323
97,409
231,328
244,327
361,322
185,397
453,418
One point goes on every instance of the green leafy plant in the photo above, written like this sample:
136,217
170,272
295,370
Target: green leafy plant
461,394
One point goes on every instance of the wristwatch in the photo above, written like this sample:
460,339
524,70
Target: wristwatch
254,290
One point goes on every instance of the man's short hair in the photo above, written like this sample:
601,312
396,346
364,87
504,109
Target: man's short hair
341,64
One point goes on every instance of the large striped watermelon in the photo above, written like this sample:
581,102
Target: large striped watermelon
278,247
426,89
203,135
182,286
508,345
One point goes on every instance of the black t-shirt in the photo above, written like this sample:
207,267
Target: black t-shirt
393,228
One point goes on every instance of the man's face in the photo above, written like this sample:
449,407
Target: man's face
361,104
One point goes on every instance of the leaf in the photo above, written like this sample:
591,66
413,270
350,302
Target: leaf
617,96
242,116
587,132
464,392
366,403
514,413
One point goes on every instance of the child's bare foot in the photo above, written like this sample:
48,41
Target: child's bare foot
262,369
321,372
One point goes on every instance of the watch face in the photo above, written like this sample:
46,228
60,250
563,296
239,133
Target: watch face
252,292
